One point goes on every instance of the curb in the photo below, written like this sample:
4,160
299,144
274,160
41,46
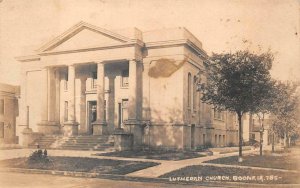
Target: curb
140,179
52,172
248,167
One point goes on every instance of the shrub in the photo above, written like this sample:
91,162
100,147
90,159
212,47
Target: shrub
208,145
231,144
39,158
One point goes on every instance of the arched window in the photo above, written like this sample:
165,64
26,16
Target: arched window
189,83
195,93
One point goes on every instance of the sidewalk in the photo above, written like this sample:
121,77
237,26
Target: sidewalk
17,153
168,166
152,172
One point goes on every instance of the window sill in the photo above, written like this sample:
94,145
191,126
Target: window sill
219,120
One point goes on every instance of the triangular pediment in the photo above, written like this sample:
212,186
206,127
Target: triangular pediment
82,36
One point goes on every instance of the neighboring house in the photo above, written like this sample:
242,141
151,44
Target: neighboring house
8,113
257,125
94,81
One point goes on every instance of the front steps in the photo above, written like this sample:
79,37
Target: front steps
94,143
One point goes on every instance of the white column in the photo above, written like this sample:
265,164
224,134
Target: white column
100,126
44,97
83,125
136,127
23,104
132,101
57,95
100,93
71,93
111,104
71,126
51,94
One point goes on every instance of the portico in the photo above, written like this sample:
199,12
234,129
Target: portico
139,86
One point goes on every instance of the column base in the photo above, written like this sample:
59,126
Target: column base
70,128
28,137
48,127
99,128
123,141
136,128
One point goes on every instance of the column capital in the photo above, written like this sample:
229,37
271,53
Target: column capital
99,62
72,65
45,68
135,60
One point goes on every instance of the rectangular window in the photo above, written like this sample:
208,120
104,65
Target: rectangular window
66,82
66,111
216,139
2,106
104,110
1,129
125,78
218,114
124,110
94,80
189,93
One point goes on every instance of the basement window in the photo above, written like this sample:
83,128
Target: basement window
2,106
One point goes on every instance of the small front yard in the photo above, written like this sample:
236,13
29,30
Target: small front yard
198,173
80,164
279,161
155,154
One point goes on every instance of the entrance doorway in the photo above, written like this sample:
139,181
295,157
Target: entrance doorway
122,113
92,115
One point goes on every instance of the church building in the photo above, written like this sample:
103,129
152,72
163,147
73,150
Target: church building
93,81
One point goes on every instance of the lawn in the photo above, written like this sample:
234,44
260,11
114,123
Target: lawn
80,164
279,161
155,154
231,174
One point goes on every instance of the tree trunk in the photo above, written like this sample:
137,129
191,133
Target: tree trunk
273,143
284,141
261,136
260,142
240,138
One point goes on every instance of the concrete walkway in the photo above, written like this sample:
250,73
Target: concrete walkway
152,172
169,166
17,153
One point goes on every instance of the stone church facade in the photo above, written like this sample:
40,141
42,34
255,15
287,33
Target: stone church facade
92,81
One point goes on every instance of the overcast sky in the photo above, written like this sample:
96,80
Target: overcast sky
222,26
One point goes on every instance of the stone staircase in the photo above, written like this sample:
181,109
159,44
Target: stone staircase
95,143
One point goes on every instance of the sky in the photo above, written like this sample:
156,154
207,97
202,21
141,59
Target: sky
221,26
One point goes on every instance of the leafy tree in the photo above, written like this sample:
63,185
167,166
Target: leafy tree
238,83
266,106
286,111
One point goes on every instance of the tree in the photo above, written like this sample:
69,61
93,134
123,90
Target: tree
238,83
286,112
266,106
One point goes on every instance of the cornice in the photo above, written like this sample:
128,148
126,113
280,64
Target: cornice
28,58
94,48
170,43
